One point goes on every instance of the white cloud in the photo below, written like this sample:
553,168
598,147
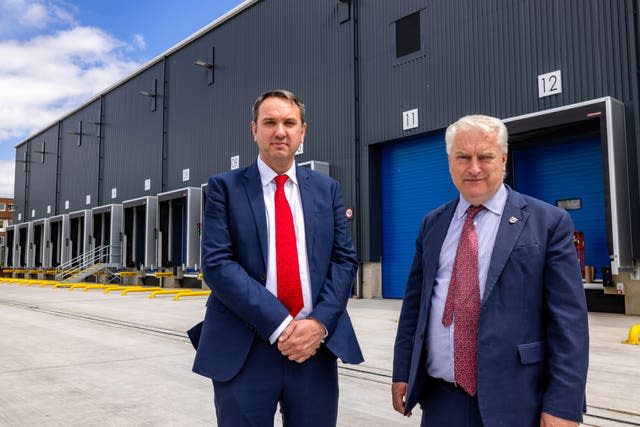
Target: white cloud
7,173
48,75
22,17
139,41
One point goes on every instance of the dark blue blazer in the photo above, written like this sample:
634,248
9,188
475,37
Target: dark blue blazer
532,334
234,264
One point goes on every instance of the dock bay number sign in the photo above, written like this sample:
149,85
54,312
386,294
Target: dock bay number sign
549,84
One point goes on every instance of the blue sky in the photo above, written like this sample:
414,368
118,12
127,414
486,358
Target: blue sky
81,48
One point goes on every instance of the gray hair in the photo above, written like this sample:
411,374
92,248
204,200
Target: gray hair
487,124
278,93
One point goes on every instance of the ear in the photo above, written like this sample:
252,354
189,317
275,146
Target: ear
254,129
304,129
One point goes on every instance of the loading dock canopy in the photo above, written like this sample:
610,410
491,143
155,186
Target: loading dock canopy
622,235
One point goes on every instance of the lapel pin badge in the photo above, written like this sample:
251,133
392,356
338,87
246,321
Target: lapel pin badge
513,220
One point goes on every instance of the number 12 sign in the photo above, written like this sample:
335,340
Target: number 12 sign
549,84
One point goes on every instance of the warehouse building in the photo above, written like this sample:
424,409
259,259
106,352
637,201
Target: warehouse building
124,174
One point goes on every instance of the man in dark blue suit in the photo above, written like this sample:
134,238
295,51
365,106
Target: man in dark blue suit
258,352
529,355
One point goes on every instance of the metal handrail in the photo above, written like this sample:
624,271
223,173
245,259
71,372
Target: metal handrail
86,260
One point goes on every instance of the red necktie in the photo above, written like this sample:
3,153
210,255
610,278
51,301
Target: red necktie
287,269
463,300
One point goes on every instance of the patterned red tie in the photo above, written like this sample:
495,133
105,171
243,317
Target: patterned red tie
463,300
287,269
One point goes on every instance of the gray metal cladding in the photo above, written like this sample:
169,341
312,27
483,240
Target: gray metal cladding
291,44
485,57
132,137
20,196
43,156
79,163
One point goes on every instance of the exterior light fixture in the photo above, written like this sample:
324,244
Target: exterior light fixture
209,65
153,94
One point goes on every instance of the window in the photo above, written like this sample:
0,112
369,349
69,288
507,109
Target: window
3,207
408,34
10,208
1,240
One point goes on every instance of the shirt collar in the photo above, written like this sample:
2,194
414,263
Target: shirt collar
494,204
267,174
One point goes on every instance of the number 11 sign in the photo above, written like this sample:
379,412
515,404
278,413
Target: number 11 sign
549,84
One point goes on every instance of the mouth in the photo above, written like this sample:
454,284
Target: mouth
473,180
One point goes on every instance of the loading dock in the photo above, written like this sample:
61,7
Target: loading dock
579,148
106,232
39,240
59,234
10,247
178,237
79,233
23,257
139,233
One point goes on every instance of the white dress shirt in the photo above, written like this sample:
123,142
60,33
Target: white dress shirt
292,193
439,339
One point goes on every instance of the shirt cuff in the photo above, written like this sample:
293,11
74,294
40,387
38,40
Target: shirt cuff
276,334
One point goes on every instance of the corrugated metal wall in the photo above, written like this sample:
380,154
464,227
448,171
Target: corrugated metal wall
474,57
486,56
79,164
132,136
42,175
305,50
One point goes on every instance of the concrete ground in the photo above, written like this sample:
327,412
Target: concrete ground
75,358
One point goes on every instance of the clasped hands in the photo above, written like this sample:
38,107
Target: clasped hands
301,339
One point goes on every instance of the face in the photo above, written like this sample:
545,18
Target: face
278,131
476,165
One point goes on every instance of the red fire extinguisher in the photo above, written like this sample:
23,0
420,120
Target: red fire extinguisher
578,241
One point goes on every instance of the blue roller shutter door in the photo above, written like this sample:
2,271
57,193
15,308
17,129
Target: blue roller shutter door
571,170
415,180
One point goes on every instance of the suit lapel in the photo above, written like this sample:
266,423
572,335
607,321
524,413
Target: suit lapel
434,236
307,195
512,223
253,187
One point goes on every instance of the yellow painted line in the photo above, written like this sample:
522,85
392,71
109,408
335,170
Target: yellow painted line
80,285
27,282
118,288
95,286
47,283
63,285
191,294
168,292
145,289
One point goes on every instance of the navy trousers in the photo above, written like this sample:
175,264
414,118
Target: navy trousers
307,392
446,405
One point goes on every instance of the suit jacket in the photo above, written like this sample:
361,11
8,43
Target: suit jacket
234,263
532,333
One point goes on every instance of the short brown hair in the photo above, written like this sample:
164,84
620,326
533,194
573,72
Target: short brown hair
278,93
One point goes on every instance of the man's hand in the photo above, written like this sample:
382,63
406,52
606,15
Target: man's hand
398,393
301,339
548,420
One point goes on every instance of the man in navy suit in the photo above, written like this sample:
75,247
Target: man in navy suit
531,351
258,353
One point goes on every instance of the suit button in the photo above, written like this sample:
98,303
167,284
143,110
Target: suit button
263,277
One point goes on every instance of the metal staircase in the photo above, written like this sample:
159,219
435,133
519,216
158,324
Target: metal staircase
90,263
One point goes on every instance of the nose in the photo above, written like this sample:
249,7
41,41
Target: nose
280,130
474,166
